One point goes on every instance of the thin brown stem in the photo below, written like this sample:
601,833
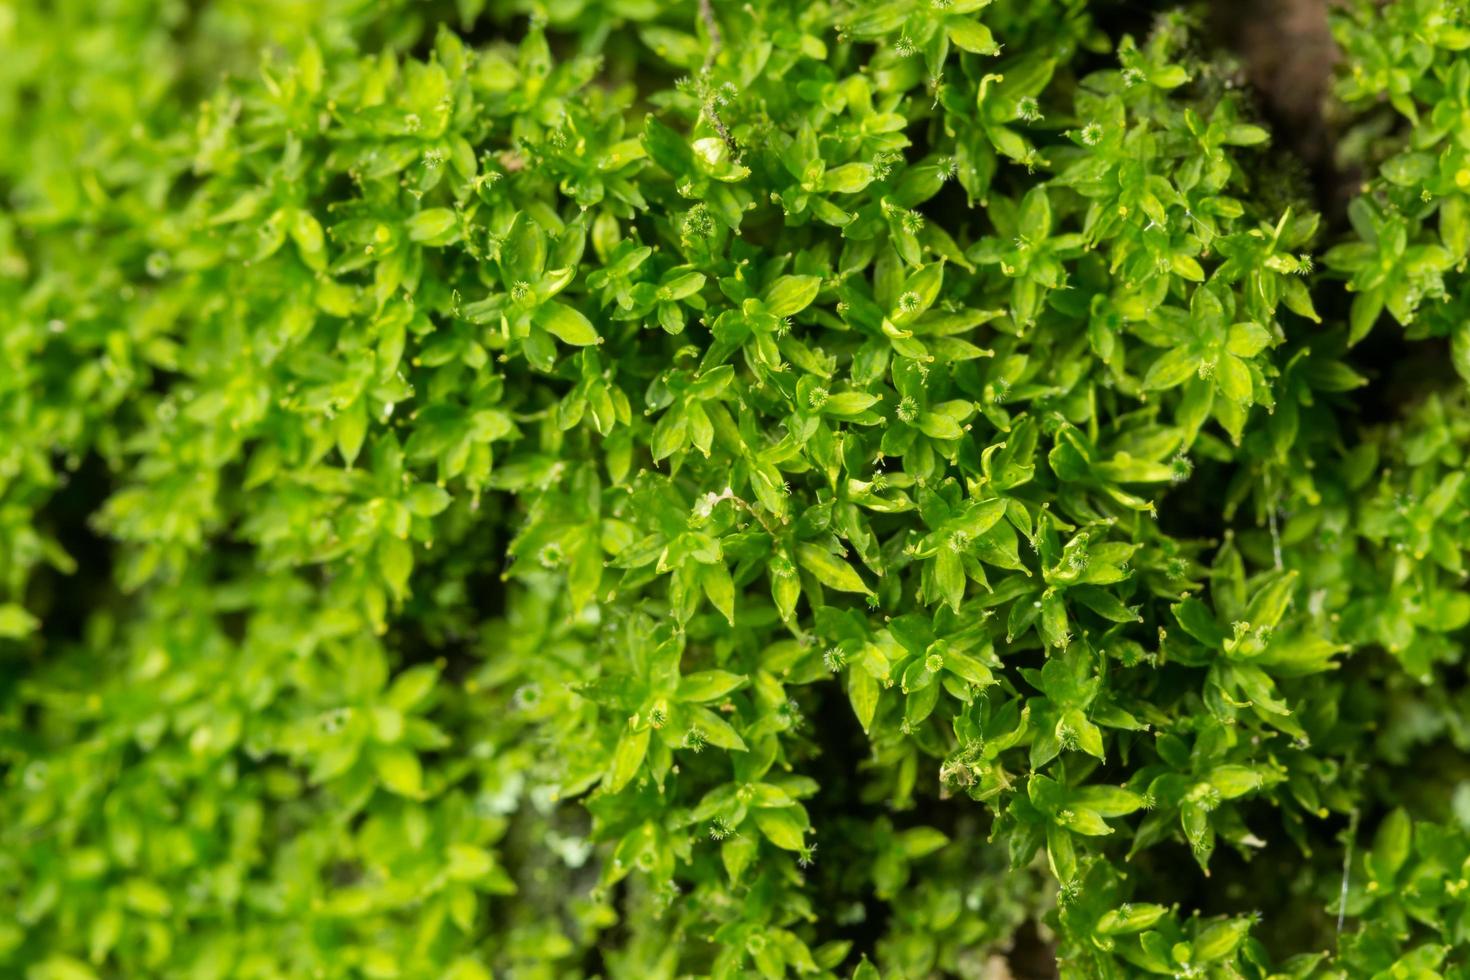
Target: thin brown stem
716,39
716,43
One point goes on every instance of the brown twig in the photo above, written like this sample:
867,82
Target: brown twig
716,39
716,43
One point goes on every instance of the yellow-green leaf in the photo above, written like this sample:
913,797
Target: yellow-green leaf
400,771
566,324
830,570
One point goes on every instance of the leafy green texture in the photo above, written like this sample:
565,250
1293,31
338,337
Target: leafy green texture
724,489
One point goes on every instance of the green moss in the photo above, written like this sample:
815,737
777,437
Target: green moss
651,490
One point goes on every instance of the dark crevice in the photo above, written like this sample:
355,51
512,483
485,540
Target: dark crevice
837,810
1287,56
1033,956
65,601
439,625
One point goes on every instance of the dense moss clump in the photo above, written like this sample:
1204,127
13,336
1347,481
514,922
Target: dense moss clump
654,489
